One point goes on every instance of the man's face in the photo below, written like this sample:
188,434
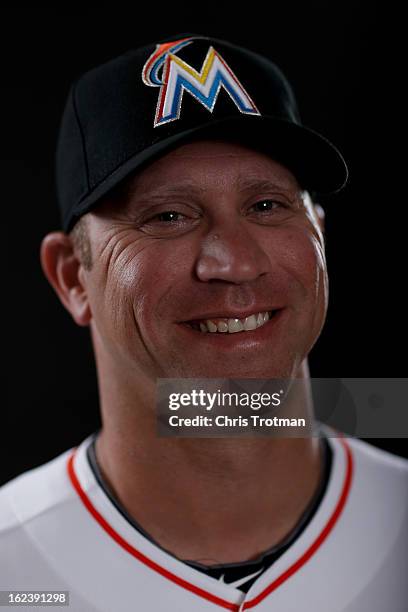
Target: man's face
211,231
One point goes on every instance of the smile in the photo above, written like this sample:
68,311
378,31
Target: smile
219,325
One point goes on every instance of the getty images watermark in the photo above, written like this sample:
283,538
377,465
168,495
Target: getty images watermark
227,408
281,408
198,398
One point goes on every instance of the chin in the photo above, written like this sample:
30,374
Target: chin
262,371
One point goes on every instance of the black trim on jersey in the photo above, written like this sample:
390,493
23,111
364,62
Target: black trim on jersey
230,571
235,571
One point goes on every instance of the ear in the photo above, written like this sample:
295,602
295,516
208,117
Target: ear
65,274
320,216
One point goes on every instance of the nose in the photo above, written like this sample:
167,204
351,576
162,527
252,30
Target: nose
231,254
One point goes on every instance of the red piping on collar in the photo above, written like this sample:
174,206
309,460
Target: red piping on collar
201,592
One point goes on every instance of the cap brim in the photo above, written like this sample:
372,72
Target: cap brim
315,161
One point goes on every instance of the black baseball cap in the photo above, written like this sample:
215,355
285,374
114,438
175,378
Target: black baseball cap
125,113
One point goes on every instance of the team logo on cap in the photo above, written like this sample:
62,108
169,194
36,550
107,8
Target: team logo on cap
174,76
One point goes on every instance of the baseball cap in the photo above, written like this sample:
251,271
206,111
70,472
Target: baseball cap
125,113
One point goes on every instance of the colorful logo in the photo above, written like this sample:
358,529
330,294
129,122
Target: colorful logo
177,77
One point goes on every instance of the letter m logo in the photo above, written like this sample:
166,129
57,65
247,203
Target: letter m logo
204,86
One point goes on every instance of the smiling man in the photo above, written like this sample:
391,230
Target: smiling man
192,248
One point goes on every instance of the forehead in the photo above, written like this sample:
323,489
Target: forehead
210,164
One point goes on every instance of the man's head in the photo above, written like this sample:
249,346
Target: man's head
180,221
212,230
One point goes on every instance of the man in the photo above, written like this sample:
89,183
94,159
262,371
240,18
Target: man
192,249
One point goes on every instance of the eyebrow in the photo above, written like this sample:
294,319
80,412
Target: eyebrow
243,184
247,183
163,192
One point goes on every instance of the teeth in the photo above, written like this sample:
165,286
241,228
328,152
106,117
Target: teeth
232,326
211,326
250,323
223,326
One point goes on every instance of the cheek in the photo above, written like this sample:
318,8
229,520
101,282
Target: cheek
303,259
303,266
116,286
112,302
139,281
157,272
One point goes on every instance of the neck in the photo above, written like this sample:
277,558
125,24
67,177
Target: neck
213,501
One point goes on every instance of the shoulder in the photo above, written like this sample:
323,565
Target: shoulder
377,462
34,492
375,484
33,504
378,489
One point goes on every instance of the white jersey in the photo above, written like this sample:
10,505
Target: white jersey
59,531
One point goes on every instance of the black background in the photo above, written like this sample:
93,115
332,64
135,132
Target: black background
334,56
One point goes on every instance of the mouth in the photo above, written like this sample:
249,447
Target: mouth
223,325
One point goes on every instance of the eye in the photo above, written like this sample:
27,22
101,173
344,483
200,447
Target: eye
268,205
169,222
167,216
